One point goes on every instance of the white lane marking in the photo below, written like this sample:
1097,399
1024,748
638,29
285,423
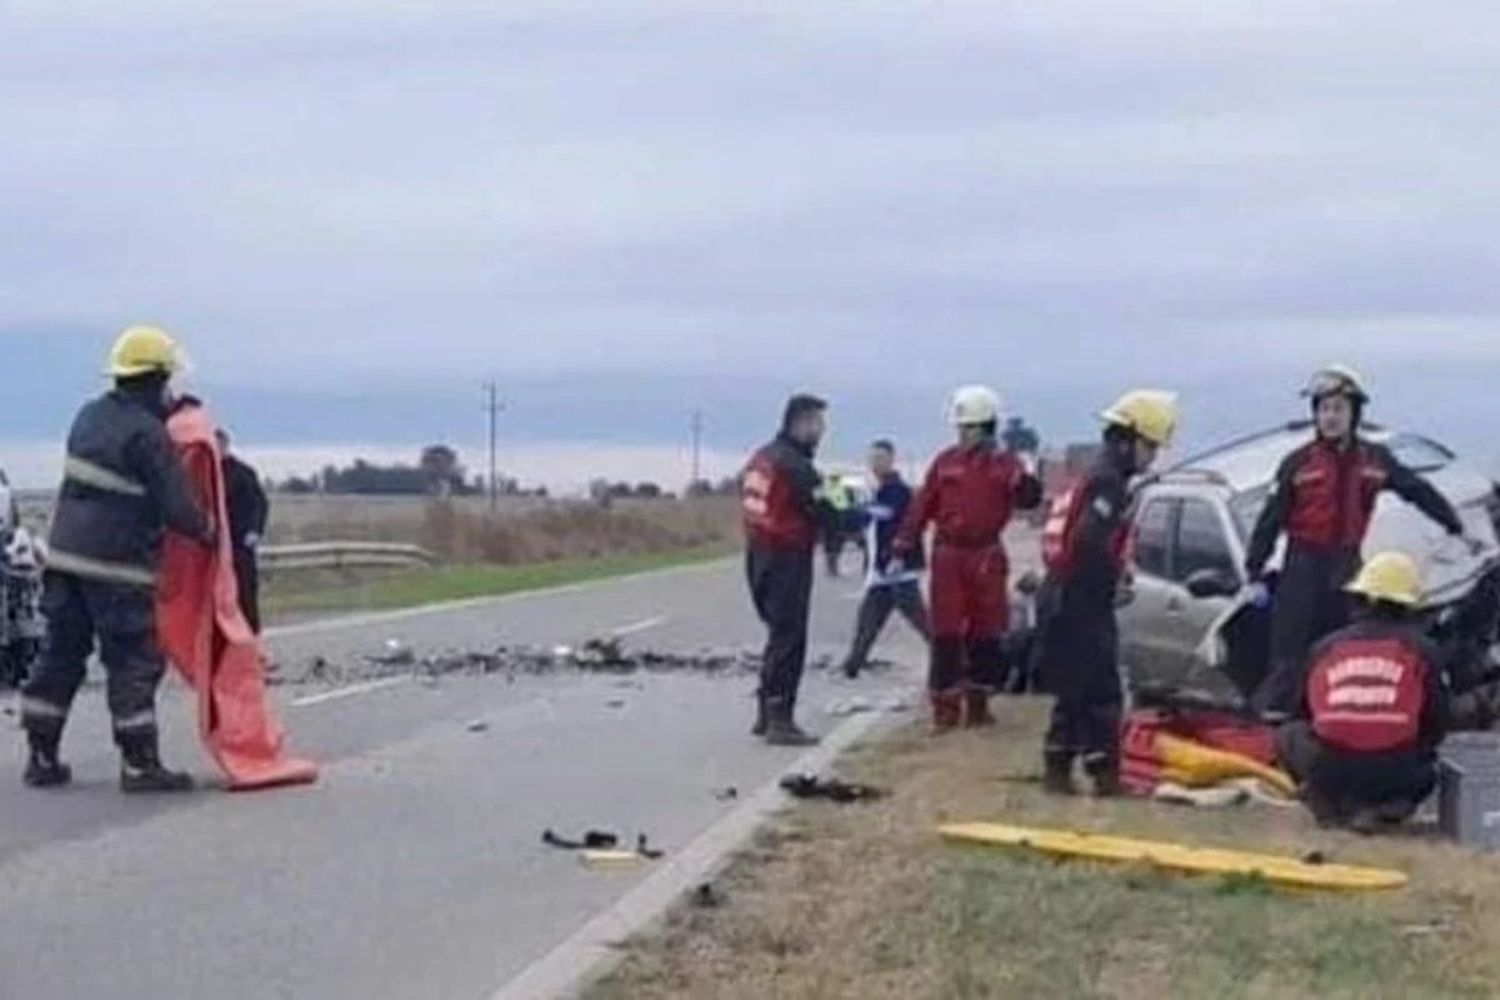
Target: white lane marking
382,617
640,626
350,691
580,960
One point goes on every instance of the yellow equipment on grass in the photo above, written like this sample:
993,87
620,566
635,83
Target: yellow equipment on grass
1275,869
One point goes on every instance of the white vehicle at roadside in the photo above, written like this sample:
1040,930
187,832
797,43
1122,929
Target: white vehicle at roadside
1193,523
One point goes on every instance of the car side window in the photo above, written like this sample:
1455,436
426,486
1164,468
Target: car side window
1201,543
1153,537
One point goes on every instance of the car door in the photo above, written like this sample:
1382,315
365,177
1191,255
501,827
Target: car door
1202,543
1146,653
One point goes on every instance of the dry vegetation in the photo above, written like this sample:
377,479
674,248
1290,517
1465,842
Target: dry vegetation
522,532
864,902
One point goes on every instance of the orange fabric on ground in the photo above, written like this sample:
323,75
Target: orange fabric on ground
204,634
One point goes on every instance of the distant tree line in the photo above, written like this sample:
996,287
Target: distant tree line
437,472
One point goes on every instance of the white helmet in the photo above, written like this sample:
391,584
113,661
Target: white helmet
20,551
974,404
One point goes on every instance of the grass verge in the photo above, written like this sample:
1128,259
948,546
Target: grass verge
864,901
297,597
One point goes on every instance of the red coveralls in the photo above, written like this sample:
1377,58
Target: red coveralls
969,495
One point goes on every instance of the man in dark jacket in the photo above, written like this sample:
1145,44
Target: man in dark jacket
248,511
784,515
893,584
1084,546
123,487
1323,500
1375,708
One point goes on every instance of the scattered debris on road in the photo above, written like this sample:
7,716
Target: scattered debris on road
729,794
593,840
395,653
599,656
479,726
861,705
808,786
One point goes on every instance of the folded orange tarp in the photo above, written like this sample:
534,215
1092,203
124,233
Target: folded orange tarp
204,634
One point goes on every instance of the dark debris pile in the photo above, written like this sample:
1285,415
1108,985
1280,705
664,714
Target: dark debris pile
596,656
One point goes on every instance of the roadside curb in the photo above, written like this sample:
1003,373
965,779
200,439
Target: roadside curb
589,953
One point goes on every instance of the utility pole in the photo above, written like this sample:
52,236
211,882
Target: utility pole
492,407
697,449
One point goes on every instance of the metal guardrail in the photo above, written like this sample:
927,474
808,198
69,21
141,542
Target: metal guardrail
342,555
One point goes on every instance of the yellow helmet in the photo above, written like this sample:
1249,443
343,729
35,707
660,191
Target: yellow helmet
1151,413
1337,380
141,350
1392,577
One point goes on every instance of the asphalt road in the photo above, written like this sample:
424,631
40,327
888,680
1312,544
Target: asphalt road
414,869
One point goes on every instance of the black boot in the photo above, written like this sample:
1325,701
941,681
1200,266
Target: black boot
43,769
761,722
1057,775
141,769
781,728
1105,772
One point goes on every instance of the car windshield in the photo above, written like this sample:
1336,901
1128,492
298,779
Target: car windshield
1246,508
1420,454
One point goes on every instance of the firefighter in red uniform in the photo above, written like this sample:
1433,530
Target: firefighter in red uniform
1084,546
1375,708
969,494
784,516
1324,497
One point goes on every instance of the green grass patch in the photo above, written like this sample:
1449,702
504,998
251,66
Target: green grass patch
294,596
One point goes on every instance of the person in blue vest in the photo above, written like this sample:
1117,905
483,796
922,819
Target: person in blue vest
891,584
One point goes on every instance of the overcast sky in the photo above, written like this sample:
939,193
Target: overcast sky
354,211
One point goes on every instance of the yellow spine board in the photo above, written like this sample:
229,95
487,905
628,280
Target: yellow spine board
1275,869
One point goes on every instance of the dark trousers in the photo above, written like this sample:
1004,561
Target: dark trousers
781,582
123,618
1078,649
247,575
1309,605
1085,727
876,609
1337,784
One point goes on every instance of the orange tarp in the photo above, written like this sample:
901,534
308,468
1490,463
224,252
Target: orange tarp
204,634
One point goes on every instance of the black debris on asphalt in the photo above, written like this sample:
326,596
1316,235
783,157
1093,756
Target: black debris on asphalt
593,840
597,656
808,786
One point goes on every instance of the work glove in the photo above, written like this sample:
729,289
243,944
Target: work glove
895,567
1257,595
251,541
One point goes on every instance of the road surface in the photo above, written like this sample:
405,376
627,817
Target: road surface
415,869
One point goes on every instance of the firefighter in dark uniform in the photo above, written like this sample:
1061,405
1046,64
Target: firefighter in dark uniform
968,496
785,514
123,486
1323,500
1364,743
1084,546
248,512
